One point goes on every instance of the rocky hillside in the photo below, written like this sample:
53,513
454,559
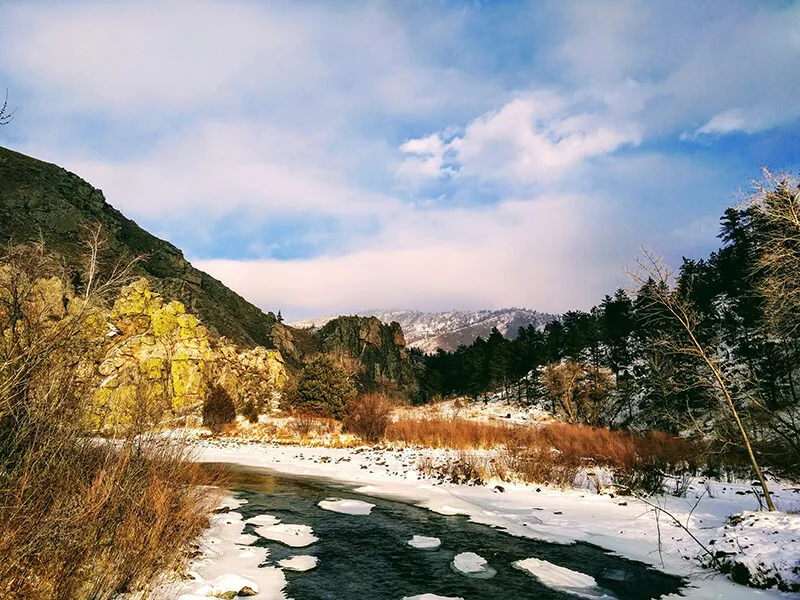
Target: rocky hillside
429,331
39,200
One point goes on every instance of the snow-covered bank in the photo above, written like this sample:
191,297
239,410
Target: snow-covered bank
622,525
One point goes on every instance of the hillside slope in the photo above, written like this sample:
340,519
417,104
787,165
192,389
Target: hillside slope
39,200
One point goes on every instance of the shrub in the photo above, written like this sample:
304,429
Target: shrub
368,417
322,389
218,409
250,411
79,519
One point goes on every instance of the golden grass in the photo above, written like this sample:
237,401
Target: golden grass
99,520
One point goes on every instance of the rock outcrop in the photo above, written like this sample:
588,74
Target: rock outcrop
160,356
378,346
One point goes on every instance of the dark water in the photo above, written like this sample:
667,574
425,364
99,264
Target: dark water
367,557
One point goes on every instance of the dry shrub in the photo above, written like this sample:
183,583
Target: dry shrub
368,417
218,409
556,452
92,521
250,411
456,434
79,518
307,425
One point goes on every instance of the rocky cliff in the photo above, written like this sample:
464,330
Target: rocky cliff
379,347
155,351
158,318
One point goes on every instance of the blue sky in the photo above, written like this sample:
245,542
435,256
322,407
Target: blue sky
326,157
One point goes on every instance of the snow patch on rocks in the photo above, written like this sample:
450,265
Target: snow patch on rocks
228,585
759,549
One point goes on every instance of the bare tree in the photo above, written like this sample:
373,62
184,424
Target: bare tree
662,293
775,208
6,114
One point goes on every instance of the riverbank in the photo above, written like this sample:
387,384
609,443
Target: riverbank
623,525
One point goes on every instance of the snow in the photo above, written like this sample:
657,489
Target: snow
766,544
299,563
296,536
347,507
263,520
622,525
422,542
229,583
560,578
227,563
471,564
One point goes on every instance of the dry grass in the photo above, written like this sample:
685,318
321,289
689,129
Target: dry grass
553,453
79,518
368,417
99,520
300,429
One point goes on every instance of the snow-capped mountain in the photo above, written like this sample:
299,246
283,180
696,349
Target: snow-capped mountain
448,330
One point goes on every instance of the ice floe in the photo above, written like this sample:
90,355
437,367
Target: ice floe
296,536
561,578
432,597
424,543
263,520
473,565
348,507
299,563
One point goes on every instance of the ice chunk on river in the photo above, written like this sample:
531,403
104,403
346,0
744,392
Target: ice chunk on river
432,597
348,507
561,578
473,565
296,536
299,563
424,543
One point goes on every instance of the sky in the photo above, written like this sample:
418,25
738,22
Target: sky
329,157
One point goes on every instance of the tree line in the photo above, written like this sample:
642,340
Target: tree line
692,351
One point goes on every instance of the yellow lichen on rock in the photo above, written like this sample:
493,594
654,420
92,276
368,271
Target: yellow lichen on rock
162,346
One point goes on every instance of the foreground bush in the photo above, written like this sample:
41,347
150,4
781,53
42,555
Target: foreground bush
88,521
79,518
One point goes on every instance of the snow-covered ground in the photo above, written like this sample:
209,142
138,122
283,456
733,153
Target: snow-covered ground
623,525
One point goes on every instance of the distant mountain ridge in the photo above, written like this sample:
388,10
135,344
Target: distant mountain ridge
429,331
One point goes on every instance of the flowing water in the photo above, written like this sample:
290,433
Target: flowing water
366,557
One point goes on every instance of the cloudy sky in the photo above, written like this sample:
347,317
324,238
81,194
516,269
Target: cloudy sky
325,157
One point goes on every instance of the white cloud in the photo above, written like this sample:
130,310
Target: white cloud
519,253
426,160
221,167
537,137
155,60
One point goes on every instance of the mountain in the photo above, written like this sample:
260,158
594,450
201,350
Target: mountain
39,200
448,330
42,201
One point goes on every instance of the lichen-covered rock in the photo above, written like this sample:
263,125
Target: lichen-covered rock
162,347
